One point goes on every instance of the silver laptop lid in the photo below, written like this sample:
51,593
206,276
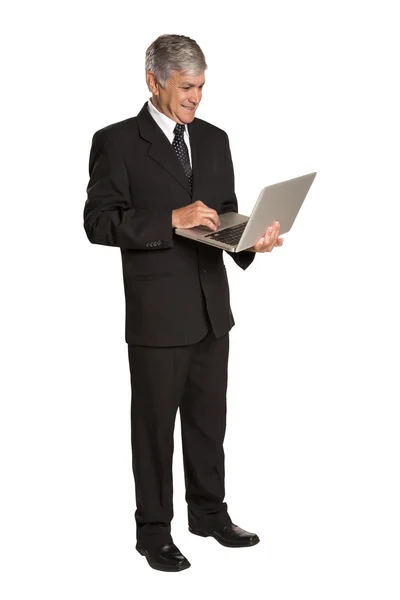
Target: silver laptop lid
278,202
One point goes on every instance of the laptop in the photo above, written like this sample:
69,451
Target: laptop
278,202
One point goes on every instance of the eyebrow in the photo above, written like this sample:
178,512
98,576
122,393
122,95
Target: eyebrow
187,84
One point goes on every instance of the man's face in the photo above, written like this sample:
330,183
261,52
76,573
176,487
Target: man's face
180,97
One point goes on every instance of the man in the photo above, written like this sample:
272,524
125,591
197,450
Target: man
148,175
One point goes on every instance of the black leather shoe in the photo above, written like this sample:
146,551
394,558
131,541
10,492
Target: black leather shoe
165,558
231,536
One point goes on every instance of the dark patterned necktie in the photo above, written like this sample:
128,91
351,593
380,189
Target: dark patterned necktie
182,151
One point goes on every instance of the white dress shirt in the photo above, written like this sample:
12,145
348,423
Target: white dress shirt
168,125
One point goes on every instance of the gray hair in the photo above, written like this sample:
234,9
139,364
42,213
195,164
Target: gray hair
174,53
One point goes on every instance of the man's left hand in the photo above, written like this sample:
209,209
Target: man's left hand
269,240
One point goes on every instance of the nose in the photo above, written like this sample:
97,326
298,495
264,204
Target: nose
195,96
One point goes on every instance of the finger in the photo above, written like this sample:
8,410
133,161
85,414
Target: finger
259,246
279,241
269,239
212,214
274,241
273,233
216,218
267,235
206,221
210,224
274,227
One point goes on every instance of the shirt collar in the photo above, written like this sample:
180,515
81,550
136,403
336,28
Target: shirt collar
162,120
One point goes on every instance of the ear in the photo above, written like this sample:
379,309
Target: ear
152,83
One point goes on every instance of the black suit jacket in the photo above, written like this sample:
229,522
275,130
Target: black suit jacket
172,284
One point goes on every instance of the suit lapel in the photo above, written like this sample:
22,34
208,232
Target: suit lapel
194,150
161,150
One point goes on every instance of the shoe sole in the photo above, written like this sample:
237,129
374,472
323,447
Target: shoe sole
226,544
165,568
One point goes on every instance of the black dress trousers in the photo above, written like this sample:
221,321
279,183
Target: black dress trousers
192,378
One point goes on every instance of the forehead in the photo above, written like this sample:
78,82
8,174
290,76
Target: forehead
181,77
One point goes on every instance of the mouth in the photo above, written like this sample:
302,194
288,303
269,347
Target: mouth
188,107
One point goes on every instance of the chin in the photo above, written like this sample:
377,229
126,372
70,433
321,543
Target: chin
187,116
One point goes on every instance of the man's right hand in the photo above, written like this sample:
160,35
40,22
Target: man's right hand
194,214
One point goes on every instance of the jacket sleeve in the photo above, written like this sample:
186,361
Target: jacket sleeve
109,218
229,204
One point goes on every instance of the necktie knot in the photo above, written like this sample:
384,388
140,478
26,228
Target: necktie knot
179,129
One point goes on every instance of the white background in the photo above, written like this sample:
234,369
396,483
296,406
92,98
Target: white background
312,443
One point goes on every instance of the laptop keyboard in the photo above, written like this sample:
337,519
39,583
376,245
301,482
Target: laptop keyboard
230,235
